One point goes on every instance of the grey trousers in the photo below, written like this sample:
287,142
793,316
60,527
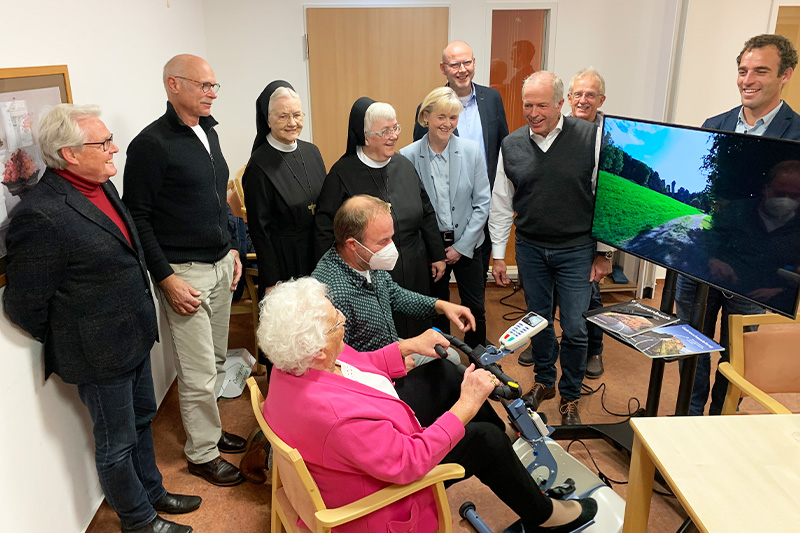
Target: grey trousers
201,345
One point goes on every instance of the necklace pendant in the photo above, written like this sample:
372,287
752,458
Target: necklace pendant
312,208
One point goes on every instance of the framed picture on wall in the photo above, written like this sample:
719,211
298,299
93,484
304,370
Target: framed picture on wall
26,95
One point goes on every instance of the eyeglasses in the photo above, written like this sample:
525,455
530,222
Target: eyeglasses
284,118
341,322
105,144
589,96
205,86
386,131
456,65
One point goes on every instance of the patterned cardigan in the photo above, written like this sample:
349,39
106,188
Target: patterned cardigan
368,306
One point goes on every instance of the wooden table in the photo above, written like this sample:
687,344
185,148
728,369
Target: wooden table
730,473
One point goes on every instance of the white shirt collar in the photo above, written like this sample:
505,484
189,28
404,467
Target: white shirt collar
281,147
370,162
552,135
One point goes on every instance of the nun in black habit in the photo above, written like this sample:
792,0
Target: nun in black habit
281,184
369,167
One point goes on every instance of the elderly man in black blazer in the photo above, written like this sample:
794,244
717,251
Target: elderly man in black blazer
77,283
483,119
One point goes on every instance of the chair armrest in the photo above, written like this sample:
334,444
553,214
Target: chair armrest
766,401
386,496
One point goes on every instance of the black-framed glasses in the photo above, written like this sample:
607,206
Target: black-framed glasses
105,144
397,128
456,65
205,86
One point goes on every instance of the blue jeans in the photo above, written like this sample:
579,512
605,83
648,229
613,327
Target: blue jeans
543,270
122,409
729,305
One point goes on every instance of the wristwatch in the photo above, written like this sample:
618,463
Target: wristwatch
608,254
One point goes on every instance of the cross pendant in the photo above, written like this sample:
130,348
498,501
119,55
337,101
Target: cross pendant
312,208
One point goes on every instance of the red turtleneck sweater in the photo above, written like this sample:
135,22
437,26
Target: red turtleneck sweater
95,194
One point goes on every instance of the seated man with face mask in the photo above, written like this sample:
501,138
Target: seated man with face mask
355,269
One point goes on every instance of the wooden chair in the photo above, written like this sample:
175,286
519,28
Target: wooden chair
762,362
295,493
249,301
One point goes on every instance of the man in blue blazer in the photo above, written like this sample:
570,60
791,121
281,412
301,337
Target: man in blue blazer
766,64
78,284
483,119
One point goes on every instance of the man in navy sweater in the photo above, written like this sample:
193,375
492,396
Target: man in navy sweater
546,173
766,63
175,184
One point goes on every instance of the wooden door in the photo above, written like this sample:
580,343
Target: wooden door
389,54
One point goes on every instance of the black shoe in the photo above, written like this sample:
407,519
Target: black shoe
177,503
537,395
594,366
230,443
217,472
159,525
526,357
588,512
569,413
253,465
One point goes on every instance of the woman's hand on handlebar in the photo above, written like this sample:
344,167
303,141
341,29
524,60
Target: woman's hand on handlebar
476,387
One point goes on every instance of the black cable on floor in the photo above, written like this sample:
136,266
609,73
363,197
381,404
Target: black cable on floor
513,315
604,478
586,390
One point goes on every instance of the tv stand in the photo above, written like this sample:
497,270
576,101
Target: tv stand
620,434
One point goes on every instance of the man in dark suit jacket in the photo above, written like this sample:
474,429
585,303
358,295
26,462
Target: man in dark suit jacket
766,64
78,284
487,125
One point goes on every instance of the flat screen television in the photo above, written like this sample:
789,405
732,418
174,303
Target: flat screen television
719,207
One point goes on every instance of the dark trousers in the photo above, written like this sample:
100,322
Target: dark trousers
122,409
717,301
486,452
595,342
543,270
470,279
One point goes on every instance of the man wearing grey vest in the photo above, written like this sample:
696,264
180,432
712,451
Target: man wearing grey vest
546,173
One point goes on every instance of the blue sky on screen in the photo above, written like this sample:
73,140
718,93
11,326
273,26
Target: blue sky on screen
676,153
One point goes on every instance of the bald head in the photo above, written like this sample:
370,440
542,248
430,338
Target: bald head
458,66
191,87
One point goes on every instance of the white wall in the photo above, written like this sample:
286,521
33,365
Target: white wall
253,43
714,34
114,51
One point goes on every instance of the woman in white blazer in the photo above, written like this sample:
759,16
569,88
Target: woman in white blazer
453,173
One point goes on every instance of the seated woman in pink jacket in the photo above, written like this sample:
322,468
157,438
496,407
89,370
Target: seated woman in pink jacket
339,409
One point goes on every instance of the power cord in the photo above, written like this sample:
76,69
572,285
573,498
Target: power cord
604,478
519,312
586,390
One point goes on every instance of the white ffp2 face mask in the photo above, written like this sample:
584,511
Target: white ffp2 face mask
383,259
780,208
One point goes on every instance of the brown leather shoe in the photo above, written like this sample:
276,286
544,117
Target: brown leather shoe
569,413
537,395
217,472
254,461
